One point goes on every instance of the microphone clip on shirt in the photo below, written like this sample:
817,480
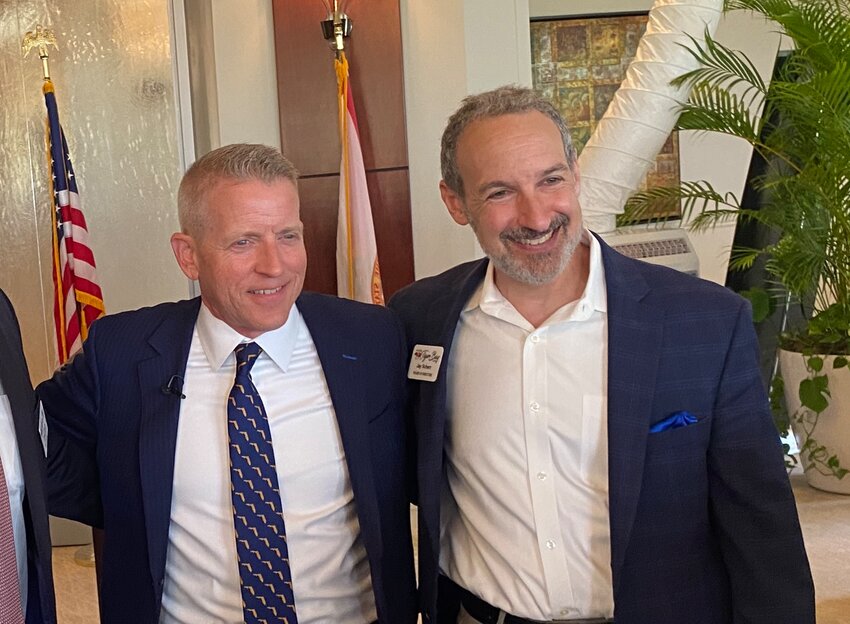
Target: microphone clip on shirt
174,387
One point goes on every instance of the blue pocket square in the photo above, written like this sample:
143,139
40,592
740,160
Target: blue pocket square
674,421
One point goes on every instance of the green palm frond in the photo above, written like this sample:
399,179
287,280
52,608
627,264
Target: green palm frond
821,29
742,258
692,196
817,104
800,124
765,7
715,109
722,67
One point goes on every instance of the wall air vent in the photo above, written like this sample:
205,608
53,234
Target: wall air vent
666,247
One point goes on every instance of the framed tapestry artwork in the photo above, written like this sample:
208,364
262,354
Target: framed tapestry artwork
578,65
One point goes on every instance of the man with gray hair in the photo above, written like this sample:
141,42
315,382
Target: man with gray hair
594,441
251,443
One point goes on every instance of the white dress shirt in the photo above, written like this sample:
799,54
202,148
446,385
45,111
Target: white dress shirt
330,571
11,458
525,523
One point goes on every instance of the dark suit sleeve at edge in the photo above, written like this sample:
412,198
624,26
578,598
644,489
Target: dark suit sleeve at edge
73,488
411,446
410,442
752,503
69,399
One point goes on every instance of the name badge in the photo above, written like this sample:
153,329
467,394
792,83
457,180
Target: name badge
425,363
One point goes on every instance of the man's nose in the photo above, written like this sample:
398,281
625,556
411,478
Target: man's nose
269,259
532,212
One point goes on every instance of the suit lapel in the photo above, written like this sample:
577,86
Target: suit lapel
635,331
345,379
169,349
432,408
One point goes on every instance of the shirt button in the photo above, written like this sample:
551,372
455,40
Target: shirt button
535,338
565,611
550,544
535,406
542,475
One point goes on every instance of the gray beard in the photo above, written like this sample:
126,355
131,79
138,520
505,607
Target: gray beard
534,270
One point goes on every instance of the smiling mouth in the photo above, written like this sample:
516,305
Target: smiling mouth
531,238
266,291
528,237
533,242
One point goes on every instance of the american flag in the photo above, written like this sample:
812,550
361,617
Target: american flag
77,299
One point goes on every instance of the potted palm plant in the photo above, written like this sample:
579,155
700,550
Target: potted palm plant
800,124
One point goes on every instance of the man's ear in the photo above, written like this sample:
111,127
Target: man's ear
183,247
454,203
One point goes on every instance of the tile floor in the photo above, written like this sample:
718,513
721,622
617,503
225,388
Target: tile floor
826,529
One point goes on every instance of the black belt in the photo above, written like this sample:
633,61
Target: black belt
488,614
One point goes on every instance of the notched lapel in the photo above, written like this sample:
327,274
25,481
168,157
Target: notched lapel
432,409
347,382
170,343
635,333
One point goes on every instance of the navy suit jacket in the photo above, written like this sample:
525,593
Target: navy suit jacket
17,386
110,400
704,529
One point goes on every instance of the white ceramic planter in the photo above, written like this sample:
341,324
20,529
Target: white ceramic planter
833,427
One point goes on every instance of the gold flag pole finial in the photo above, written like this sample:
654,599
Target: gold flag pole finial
40,38
336,28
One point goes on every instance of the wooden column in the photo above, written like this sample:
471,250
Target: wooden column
308,123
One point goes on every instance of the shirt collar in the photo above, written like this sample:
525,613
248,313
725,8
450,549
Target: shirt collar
595,293
594,298
218,339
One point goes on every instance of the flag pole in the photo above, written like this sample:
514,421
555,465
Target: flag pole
336,28
358,270
40,38
78,298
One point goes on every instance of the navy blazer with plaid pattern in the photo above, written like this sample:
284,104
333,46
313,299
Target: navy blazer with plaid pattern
703,524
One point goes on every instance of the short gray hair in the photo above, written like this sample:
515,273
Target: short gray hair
240,161
506,100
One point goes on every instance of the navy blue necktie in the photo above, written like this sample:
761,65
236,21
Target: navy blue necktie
264,573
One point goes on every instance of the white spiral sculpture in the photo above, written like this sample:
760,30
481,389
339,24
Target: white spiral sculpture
644,110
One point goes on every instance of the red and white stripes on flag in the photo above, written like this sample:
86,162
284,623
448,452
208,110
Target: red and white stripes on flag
357,272
77,298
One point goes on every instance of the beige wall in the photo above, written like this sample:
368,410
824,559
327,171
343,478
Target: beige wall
245,71
452,49
435,79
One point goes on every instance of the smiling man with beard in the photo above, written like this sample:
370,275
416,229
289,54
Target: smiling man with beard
594,440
